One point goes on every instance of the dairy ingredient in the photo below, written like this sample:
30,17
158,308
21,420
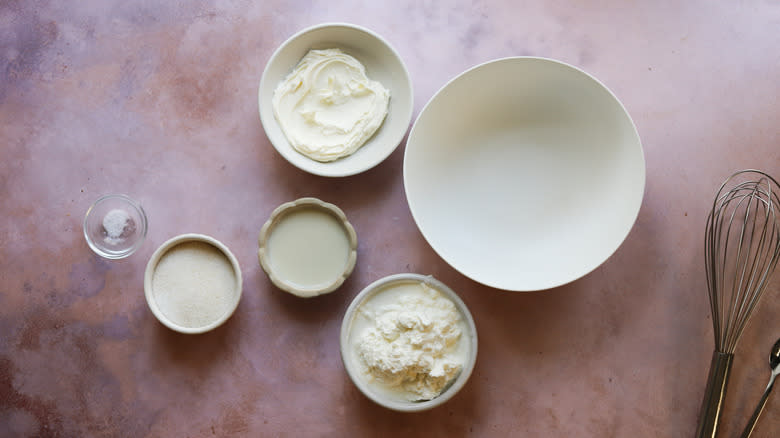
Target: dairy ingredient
409,341
327,107
194,284
309,248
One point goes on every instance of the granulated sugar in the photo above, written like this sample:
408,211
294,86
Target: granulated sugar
194,284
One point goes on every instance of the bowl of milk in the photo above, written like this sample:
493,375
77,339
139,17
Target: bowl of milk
307,247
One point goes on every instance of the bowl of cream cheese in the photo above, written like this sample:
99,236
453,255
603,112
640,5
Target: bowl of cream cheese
335,99
408,342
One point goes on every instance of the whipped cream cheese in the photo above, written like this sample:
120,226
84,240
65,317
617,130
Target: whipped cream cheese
409,341
327,107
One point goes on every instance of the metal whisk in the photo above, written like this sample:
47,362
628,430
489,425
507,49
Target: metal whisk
742,248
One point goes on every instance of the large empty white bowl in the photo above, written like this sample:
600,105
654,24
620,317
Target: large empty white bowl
524,173
382,64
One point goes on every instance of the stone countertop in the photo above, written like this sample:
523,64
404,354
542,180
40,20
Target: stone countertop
160,102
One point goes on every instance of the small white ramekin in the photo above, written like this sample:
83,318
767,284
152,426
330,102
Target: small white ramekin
351,361
152,266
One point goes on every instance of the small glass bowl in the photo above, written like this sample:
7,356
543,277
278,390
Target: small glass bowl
115,226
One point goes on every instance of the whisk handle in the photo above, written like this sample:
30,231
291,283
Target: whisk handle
720,367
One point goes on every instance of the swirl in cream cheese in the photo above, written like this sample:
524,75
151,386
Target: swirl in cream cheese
327,107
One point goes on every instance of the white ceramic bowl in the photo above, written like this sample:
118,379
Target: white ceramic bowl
351,362
524,173
382,64
234,296
313,267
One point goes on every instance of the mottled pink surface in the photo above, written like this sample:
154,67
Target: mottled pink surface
159,102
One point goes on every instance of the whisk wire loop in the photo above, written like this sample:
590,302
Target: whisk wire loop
741,248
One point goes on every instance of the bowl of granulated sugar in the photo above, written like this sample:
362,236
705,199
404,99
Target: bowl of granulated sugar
192,283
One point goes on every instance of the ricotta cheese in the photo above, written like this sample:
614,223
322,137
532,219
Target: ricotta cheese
414,347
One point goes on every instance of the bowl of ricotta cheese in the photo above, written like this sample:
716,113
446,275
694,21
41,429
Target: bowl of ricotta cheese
408,342
335,99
